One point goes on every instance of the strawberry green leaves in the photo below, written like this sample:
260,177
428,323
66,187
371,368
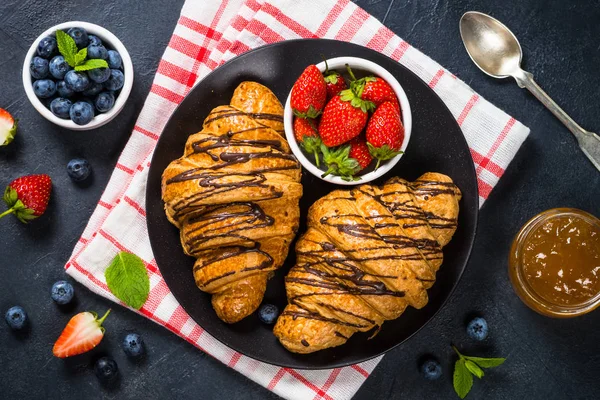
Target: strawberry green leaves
76,58
464,369
17,207
128,280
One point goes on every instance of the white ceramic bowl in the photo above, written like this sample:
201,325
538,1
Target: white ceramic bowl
112,42
357,65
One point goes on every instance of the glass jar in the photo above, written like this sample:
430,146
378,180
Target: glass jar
554,263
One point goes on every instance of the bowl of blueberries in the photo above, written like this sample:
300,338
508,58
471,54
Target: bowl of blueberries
78,75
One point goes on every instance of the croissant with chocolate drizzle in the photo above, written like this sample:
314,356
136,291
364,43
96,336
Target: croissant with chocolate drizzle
367,255
234,196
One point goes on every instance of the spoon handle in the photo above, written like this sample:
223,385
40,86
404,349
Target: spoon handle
588,142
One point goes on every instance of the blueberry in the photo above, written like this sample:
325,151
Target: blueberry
59,67
47,47
94,40
133,345
60,107
62,292
114,59
44,88
115,81
95,51
78,169
89,101
80,36
77,81
431,370
16,317
63,90
268,313
81,113
106,369
478,329
93,89
99,75
105,101
38,68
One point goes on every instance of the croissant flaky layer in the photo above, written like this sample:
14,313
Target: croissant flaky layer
367,255
234,196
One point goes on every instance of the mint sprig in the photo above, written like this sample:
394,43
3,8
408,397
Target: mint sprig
76,58
466,366
127,279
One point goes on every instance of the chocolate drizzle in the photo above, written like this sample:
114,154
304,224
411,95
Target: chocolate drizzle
395,259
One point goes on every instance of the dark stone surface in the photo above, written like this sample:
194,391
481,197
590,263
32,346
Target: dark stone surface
551,359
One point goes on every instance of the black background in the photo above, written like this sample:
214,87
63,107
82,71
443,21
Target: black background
549,359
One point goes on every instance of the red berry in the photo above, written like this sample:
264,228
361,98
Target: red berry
379,91
27,197
341,122
83,332
360,152
304,127
335,84
385,132
309,93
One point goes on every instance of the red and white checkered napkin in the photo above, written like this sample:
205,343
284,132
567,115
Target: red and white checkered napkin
207,34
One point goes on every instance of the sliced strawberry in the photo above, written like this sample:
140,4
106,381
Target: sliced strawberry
360,152
306,135
27,197
83,332
8,127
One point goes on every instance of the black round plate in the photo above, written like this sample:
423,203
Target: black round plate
437,144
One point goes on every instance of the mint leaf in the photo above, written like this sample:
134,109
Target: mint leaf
92,64
67,47
474,369
486,362
80,56
128,280
463,380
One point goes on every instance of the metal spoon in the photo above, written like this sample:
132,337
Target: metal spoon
497,52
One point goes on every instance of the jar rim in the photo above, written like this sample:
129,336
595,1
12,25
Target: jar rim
524,290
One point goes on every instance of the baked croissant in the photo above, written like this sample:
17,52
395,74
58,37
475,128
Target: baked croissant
234,196
368,254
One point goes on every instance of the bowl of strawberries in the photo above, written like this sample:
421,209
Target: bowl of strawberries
347,120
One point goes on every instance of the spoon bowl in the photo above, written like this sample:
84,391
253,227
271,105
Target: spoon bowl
490,44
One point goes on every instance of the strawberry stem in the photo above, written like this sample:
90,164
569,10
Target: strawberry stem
101,320
350,72
9,211
378,162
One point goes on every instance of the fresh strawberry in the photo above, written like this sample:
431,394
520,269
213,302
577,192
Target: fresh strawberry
343,119
27,197
379,91
306,135
385,132
360,152
309,93
8,127
339,163
335,82
83,332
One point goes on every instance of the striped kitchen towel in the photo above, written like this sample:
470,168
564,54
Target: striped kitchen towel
207,34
